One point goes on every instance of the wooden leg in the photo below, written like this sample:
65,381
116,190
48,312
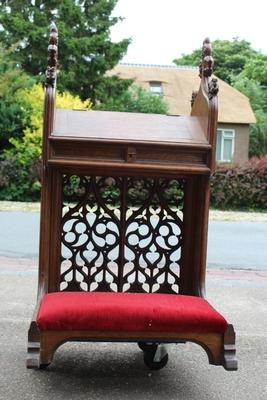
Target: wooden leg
212,344
49,344
33,354
41,348
220,348
229,359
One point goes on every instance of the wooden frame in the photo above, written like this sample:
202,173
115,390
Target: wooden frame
189,158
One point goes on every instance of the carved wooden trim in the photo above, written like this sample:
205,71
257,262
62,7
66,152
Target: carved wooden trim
50,341
51,70
213,88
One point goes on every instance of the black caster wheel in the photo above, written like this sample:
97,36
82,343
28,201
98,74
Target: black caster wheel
156,357
144,346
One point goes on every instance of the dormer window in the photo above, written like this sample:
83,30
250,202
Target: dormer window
156,88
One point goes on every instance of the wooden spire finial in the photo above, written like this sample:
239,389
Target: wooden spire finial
206,63
206,69
51,70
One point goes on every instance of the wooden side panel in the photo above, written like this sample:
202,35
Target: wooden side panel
195,236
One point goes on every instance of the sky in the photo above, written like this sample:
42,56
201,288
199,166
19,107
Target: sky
162,30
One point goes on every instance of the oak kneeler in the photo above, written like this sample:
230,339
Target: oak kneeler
124,216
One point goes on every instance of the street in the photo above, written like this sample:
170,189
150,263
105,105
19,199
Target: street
231,245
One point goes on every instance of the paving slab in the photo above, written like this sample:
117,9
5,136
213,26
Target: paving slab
110,371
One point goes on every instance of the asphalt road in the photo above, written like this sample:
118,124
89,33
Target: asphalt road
231,245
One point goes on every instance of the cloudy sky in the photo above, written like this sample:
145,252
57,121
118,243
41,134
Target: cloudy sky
162,30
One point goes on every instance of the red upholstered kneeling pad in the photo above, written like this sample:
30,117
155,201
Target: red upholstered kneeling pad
128,312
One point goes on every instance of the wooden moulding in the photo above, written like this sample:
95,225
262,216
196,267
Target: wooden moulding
68,152
42,345
129,169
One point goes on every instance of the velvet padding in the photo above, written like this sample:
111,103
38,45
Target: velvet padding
128,312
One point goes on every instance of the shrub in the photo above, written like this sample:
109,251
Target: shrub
242,187
13,118
20,176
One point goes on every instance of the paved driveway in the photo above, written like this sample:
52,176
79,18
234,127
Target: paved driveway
114,371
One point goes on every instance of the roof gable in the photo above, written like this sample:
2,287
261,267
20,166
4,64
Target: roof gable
178,84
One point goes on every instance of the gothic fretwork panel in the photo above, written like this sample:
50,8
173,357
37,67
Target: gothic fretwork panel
153,235
121,234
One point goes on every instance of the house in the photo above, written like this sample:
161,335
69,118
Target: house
176,84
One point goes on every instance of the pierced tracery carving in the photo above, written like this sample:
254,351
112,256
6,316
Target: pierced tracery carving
153,236
90,235
51,70
121,234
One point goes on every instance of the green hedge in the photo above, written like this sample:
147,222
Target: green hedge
242,187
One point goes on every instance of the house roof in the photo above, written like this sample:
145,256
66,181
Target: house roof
178,84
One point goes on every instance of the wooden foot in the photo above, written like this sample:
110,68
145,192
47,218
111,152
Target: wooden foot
39,355
33,354
229,359
212,344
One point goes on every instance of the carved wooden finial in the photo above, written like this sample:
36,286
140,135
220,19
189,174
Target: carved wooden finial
213,88
51,70
206,68
206,63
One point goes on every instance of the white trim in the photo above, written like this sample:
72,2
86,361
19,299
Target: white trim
226,134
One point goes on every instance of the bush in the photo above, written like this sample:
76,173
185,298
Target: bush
13,116
241,187
20,172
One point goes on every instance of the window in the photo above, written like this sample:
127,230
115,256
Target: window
225,144
156,88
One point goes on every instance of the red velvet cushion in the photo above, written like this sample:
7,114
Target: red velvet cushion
128,312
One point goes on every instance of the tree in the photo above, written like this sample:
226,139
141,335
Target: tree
256,69
86,51
230,57
135,99
246,70
13,111
20,166
258,100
